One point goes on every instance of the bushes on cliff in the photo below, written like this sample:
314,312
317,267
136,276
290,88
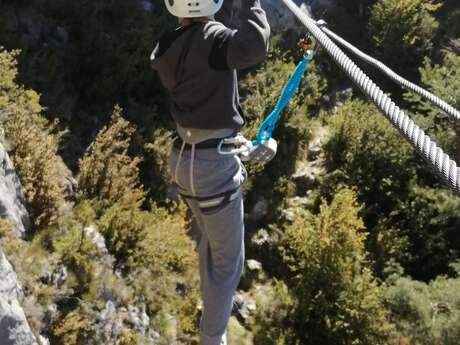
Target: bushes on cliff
149,242
34,144
337,300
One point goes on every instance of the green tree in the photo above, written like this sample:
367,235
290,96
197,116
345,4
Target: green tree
107,172
402,31
427,314
366,152
34,144
444,81
337,300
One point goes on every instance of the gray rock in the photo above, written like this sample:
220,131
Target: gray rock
12,200
259,210
344,95
43,341
243,306
69,183
261,238
56,278
313,152
14,329
300,201
10,289
62,34
282,20
113,320
50,314
147,6
306,176
254,265
153,336
96,238
288,214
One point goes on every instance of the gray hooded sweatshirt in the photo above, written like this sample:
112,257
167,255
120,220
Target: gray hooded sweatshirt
197,64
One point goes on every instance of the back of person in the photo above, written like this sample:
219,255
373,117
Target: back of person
197,64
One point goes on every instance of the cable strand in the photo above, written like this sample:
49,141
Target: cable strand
438,102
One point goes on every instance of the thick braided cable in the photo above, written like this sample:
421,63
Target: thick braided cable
434,155
444,106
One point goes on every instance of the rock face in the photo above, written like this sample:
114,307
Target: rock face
14,329
113,320
12,199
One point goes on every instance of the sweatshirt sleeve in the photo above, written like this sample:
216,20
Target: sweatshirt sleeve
245,47
225,14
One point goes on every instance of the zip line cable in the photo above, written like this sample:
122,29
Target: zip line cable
444,106
427,148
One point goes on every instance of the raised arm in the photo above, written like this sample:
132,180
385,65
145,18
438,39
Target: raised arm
245,47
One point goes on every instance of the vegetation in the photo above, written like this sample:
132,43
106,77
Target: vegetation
325,254
402,32
34,144
357,238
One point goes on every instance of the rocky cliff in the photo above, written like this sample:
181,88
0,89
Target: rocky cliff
14,328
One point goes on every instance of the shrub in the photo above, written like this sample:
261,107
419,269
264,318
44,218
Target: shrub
71,329
260,91
430,219
402,32
74,249
274,319
444,81
34,144
107,172
338,299
425,313
366,152
156,174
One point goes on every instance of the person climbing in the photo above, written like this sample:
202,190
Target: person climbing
197,65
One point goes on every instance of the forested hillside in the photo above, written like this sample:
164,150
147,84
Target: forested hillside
350,237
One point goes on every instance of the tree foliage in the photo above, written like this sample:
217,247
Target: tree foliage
366,152
402,32
442,80
337,300
107,172
425,313
34,144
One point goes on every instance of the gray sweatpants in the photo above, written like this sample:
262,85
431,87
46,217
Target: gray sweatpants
202,174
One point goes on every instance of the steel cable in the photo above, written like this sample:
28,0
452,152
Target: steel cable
434,155
441,104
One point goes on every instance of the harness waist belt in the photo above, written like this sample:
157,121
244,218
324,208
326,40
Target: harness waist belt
207,144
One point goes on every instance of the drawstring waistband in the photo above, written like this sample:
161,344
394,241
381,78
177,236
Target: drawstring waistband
176,171
191,170
192,162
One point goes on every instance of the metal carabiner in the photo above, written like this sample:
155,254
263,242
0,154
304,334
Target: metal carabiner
242,145
308,45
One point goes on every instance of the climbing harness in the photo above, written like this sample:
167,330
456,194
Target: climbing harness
263,148
428,149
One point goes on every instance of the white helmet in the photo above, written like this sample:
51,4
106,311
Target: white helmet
193,8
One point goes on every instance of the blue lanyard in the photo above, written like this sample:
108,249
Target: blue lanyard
266,128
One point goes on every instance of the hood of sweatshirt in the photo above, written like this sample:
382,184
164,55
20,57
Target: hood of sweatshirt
169,55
